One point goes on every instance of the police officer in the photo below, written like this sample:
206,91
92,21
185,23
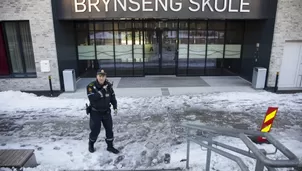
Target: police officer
100,93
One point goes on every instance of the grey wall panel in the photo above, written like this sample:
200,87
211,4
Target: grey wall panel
207,9
65,44
252,36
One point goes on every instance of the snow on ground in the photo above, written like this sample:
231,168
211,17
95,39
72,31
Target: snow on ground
145,128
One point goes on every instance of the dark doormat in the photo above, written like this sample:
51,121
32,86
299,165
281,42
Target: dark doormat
133,82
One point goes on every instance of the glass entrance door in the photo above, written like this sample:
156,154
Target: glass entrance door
152,52
160,52
168,52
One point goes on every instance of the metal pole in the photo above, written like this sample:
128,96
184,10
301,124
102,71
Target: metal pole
50,85
230,156
259,164
237,150
188,153
188,147
209,155
276,82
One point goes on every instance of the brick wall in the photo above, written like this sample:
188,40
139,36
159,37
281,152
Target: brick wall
288,26
39,14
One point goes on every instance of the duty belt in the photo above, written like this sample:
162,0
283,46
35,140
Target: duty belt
94,109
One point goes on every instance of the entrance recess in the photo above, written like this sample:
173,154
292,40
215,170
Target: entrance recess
160,54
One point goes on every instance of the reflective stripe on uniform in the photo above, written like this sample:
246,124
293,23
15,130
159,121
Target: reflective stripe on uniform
98,91
100,94
90,94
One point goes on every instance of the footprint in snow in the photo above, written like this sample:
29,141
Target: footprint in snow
70,153
119,159
39,148
56,148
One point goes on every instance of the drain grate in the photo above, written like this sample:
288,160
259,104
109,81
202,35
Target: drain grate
165,92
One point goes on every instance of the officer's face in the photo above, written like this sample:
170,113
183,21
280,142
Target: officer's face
101,78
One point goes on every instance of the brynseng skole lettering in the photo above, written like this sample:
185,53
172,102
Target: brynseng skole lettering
157,5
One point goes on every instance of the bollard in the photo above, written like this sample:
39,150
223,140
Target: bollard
276,82
188,149
50,86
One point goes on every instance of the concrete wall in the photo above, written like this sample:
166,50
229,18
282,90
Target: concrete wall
288,26
39,14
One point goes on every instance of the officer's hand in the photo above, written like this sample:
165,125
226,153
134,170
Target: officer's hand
115,111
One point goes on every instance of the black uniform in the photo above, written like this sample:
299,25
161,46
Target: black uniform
101,97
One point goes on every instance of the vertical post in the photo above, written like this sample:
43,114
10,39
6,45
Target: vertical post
208,164
259,164
188,148
276,82
206,54
188,48
50,86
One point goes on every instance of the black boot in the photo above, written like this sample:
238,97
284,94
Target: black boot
110,147
91,146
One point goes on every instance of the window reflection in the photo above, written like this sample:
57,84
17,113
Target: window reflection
197,48
137,48
215,47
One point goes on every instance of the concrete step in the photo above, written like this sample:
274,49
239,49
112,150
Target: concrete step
176,169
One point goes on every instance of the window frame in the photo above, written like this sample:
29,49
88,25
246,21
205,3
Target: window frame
23,74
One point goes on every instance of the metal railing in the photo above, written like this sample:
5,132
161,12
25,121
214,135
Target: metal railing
260,155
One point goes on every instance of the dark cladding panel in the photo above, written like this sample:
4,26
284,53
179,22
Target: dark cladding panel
183,9
261,10
63,8
252,36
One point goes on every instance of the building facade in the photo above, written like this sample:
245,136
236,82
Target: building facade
286,55
26,38
148,37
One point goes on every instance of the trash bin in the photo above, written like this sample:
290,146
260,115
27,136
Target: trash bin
259,76
69,80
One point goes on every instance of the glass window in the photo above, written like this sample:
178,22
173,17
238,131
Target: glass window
215,39
152,52
125,25
138,24
183,25
28,53
20,48
105,26
124,48
138,53
14,47
150,24
123,53
4,67
86,50
197,48
183,36
168,49
233,44
104,50
85,41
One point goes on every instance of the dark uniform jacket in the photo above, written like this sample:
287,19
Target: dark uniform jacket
100,96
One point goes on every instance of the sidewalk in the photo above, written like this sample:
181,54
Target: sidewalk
166,85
